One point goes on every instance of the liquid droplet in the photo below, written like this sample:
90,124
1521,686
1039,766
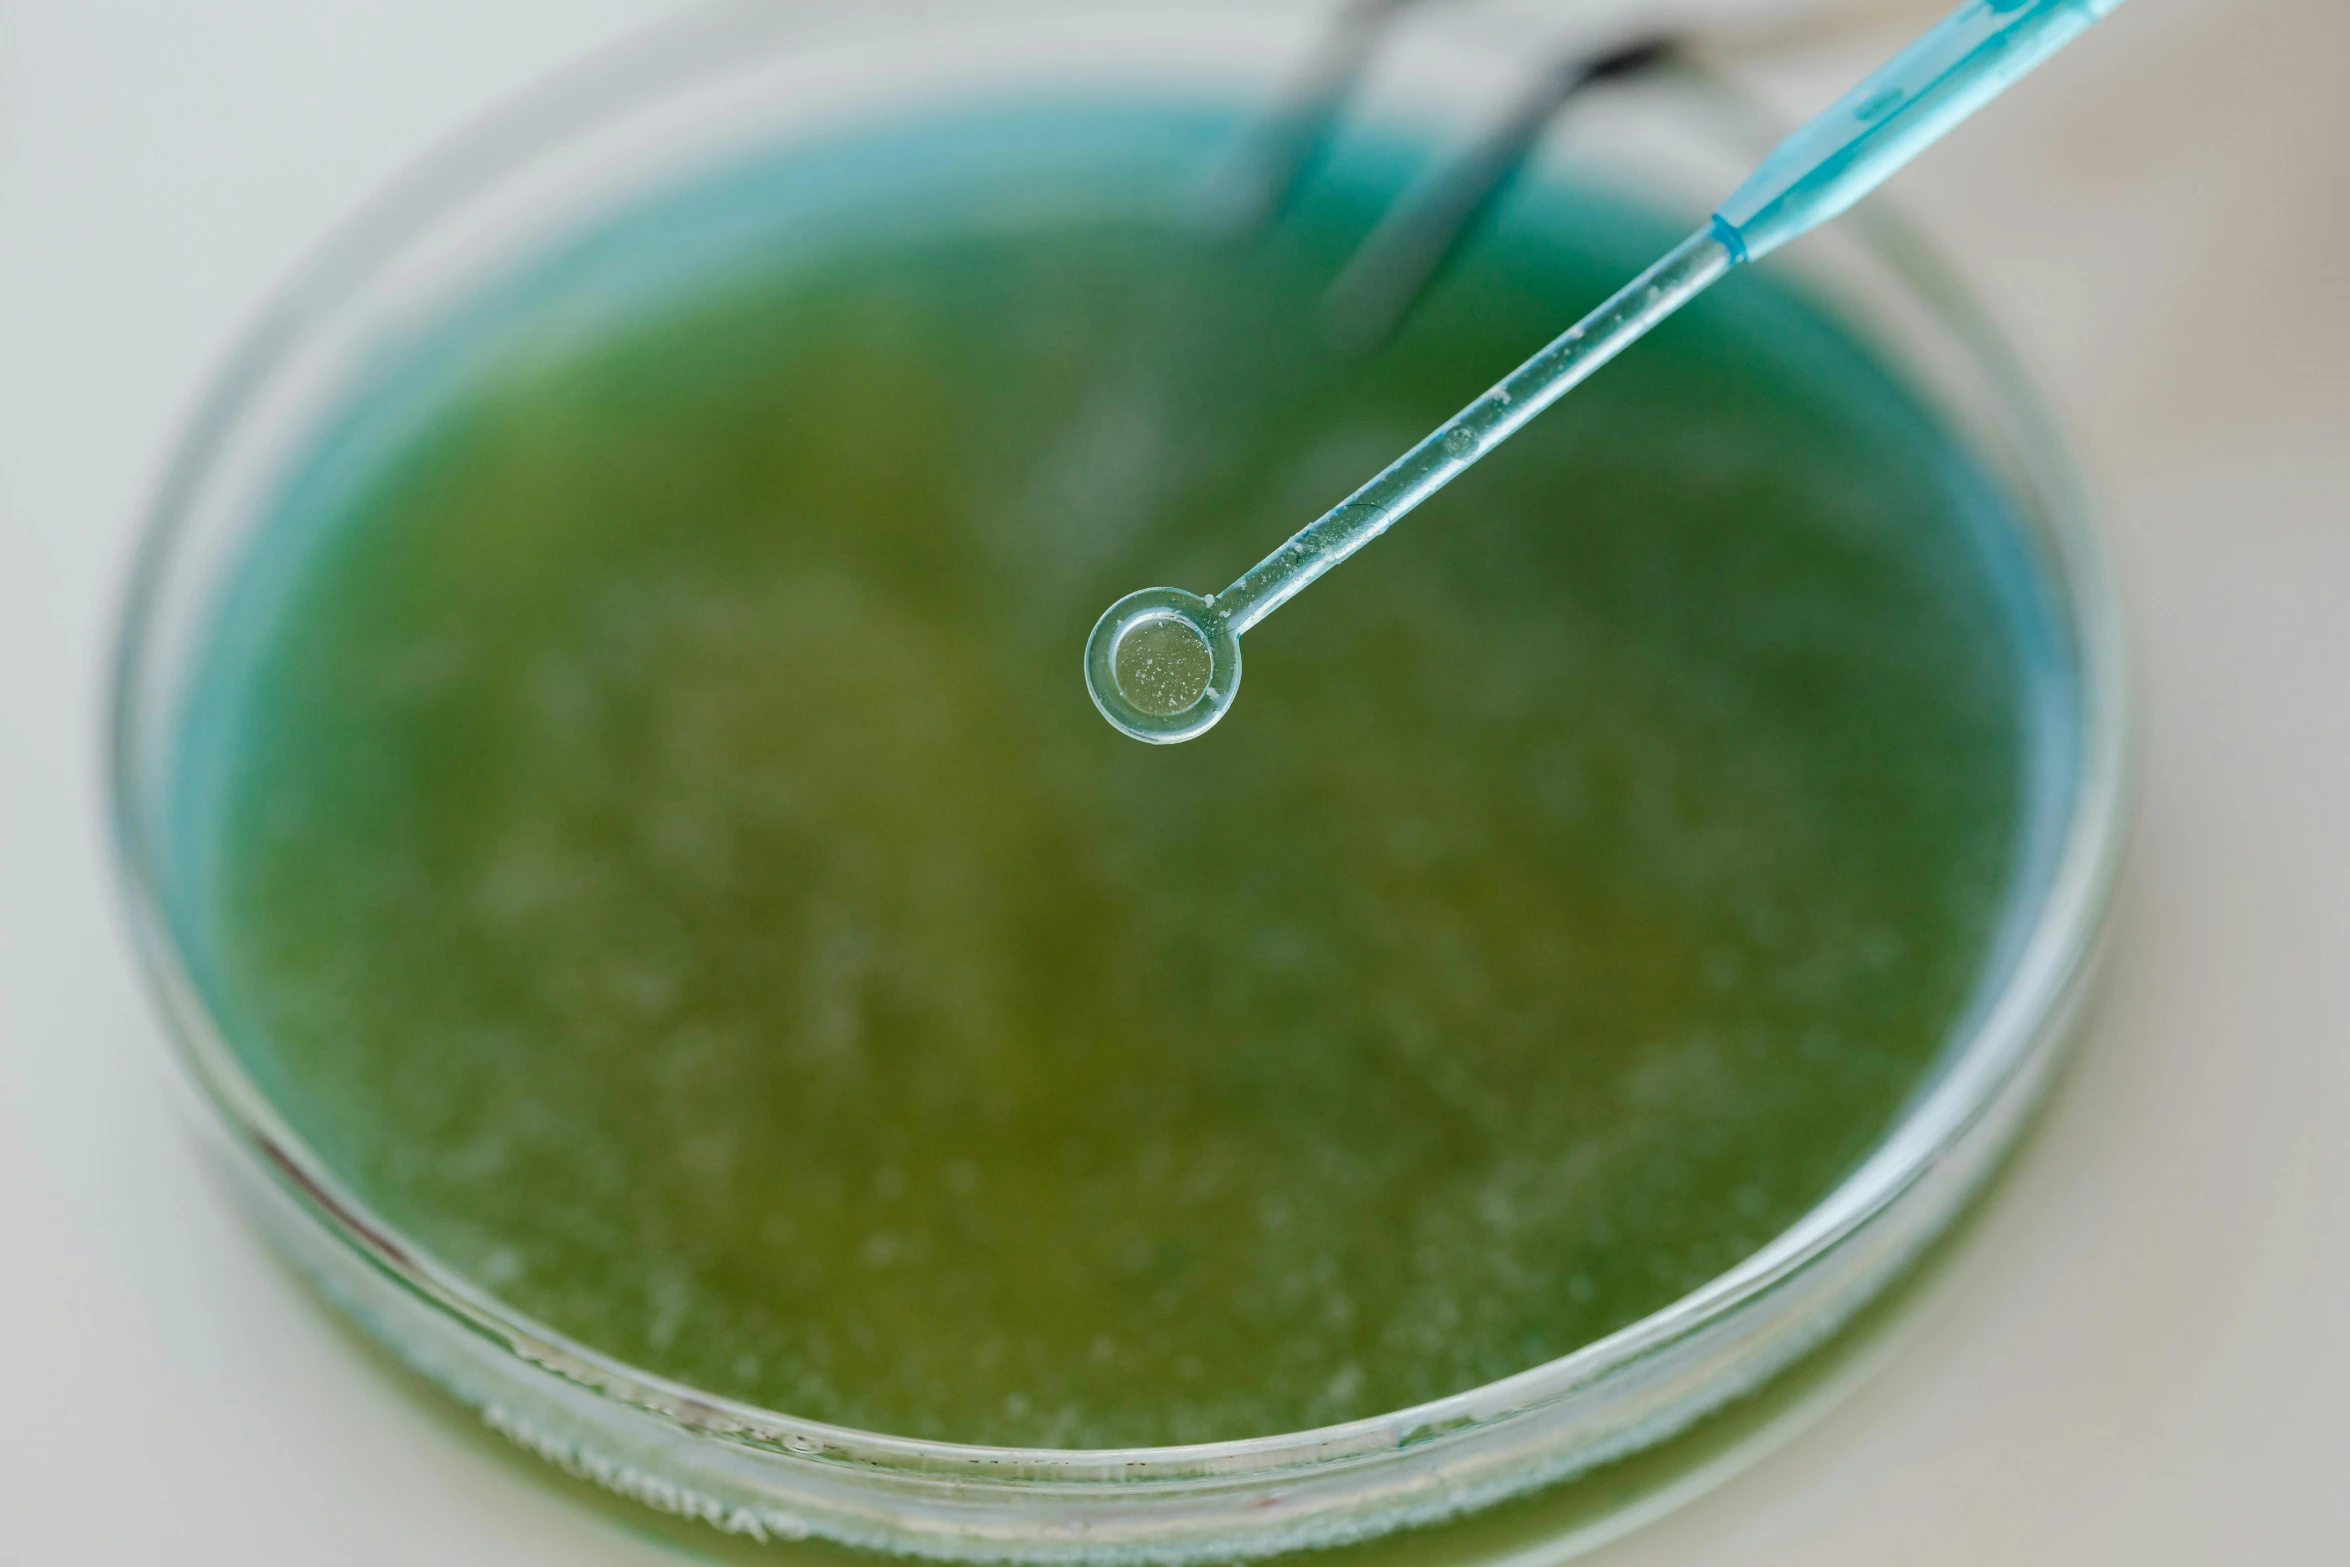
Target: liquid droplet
1162,665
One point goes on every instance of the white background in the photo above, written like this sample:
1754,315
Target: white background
2140,1355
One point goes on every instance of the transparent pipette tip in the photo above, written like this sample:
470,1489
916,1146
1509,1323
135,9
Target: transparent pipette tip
1162,665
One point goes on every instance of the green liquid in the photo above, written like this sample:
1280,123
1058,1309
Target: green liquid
1162,666
665,860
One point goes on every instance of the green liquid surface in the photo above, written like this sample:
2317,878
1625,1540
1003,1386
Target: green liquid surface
1162,666
665,861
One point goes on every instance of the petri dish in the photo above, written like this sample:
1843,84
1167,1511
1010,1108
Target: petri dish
763,136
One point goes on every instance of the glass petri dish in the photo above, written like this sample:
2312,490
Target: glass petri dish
1553,1459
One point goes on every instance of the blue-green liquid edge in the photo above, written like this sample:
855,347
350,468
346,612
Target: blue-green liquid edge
729,219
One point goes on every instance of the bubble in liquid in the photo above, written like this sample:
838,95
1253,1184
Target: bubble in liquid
1162,665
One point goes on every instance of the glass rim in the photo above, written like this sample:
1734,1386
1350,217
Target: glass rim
2006,1046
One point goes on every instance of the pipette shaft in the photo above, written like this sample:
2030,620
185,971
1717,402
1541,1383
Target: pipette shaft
1966,60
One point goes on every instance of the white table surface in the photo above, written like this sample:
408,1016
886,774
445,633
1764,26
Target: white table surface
2138,1357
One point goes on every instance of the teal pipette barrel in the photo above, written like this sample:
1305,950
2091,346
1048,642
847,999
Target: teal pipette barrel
1164,664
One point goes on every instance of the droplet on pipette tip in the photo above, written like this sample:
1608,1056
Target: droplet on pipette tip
1162,665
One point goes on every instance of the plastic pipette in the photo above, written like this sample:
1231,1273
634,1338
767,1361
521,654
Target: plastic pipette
1164,664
